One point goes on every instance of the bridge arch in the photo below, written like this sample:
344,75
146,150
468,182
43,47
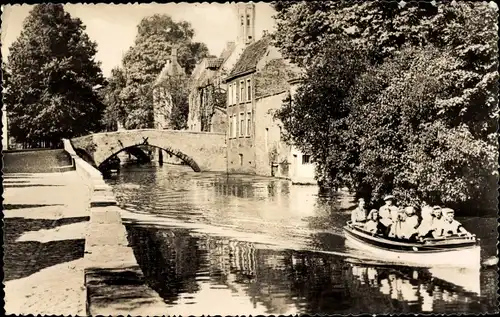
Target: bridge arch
183,157
202,151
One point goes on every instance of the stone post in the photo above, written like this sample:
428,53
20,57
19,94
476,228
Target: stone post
160,157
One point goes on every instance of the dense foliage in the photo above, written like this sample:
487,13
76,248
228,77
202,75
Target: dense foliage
399,99
178,92
132,99
50,91
115,109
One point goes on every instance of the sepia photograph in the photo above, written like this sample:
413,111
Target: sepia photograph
250,158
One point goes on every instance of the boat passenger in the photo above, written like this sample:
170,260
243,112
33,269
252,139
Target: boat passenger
426,211
426,224
372,224
437,222
397,227
410,224
388,214
358,215
450,225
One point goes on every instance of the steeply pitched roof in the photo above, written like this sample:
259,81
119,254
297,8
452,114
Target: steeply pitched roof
250,57
171,69
228,50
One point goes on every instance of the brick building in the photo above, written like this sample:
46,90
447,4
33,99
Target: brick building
257,86
171,75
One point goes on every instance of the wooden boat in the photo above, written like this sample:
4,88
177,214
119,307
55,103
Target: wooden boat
454,251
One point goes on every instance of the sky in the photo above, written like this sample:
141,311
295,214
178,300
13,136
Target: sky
114,27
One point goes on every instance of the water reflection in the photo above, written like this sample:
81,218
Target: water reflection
190,270
193,269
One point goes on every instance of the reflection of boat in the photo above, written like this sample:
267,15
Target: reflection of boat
456,251
468,279
454,279
428,288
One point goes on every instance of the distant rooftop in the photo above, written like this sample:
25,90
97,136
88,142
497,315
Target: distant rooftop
171,69
250,57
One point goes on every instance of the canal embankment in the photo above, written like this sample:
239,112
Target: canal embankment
114,282
46,213
66,249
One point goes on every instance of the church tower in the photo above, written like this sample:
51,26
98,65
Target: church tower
246,22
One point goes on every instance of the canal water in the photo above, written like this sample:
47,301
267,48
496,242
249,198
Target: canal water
211,243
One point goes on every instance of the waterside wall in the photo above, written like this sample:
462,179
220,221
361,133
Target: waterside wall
114,282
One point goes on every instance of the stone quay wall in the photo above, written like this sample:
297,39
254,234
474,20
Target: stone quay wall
114,282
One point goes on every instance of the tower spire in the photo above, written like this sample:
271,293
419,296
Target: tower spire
246,22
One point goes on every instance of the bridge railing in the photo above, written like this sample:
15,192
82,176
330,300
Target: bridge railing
83,168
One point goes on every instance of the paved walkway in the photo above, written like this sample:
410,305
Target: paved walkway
46,215
35,161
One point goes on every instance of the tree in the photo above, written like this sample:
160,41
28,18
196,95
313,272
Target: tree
5,81
53,73
415,117
379,27
315,120
115,111
408,144
176,88
144,61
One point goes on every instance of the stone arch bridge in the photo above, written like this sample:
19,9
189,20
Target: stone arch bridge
202,151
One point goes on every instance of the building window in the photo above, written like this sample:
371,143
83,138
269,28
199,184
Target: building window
242,125
249,90
306,159
248,19
230,126
242,91
233,131
241,159
234,93
242,20
236,97
249,123
229,96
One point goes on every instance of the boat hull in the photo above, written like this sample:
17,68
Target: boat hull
460,256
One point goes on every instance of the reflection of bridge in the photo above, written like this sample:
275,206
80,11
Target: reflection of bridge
202,151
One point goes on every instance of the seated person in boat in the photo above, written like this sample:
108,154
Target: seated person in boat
372,224
388,214
437,222
408,228
397,228
358,215
450,226
426,224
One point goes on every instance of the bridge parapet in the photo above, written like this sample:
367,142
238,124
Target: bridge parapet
203,151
